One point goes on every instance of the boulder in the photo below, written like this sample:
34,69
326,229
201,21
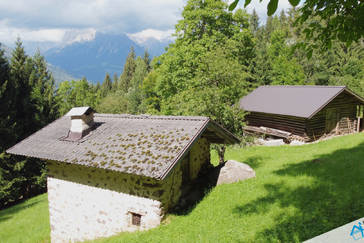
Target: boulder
271,142
234,171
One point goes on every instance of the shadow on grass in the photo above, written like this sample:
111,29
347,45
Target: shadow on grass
8,213
254,161
335,197
198,189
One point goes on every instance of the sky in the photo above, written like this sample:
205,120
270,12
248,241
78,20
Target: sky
61,22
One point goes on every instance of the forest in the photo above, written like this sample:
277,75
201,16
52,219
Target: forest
217,57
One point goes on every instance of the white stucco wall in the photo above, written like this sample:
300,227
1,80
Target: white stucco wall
79,212
87,203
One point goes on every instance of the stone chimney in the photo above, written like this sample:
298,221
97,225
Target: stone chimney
82,121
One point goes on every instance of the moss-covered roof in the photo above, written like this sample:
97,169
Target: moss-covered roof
142,145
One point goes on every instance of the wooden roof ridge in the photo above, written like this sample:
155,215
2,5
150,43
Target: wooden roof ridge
148,116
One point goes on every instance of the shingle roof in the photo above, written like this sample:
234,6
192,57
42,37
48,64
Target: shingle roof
298,100
142,145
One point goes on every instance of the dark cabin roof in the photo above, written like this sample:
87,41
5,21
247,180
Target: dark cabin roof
298,100
143,145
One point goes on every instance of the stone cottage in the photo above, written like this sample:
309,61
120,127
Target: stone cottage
112,173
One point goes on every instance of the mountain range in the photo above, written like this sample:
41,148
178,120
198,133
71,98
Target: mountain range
94,57
105,53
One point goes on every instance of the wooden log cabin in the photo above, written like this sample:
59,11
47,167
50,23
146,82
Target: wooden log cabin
303,112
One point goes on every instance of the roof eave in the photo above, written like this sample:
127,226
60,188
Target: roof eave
185,150
280,114
228,137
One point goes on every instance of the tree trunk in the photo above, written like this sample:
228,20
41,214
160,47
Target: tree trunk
221,152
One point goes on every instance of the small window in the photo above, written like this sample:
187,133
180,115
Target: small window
136,219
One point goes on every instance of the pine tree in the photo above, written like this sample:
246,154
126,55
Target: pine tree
20,69
106,85
128,72
43,92
135,95
254,21
115,83
146,59
20,177
6,91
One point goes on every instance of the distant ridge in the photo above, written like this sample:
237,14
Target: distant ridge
92,59
59,74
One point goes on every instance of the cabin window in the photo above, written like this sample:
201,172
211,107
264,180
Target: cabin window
136,219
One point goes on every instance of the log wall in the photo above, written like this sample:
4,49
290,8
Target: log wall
345,109
294,125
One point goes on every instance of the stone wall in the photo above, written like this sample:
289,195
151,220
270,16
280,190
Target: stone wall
87,203
199,156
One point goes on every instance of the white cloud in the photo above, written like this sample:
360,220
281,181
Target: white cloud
147,34
57,21
76,20
9,34
117,15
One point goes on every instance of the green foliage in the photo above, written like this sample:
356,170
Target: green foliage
285,68
115,103
77,93
106,85
135,95
115,84
43,92
151,100
207,63
254,21
326,20
272,7
128,72
333,20
130,102
147,60
6,91
27,104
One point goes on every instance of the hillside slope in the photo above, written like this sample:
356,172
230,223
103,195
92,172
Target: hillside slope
299,192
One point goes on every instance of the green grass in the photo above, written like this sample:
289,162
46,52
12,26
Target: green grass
26,222
299,192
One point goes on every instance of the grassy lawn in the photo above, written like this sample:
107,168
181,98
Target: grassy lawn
26,222
299,192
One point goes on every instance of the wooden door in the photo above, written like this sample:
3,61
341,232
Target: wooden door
332,117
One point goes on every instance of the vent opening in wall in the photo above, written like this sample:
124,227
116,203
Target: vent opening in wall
136,219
